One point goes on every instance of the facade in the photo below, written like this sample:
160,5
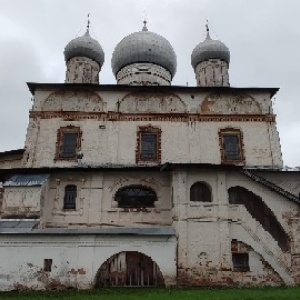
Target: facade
142,183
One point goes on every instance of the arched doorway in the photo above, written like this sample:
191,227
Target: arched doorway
129,268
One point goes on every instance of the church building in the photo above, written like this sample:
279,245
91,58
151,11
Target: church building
143,183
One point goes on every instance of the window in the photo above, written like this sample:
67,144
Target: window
231,145
240,262
47,264
135,197
68,143
148,144
200,191
70,197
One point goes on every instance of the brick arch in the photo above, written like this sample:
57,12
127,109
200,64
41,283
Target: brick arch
217,103
152,103
261,213
83,101
129,268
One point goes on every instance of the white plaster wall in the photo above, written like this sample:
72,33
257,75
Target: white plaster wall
114,142
95,204
76,259
21,200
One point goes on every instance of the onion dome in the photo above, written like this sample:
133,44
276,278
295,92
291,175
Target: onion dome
144,47
209,49
85,46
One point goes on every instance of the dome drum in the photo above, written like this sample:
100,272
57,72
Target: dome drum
144,74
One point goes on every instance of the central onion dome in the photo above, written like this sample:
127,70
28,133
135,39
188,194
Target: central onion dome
84,46
209,49
144,47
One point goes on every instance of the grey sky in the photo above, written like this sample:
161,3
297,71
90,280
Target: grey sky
263,37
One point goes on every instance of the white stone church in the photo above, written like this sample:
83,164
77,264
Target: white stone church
142,183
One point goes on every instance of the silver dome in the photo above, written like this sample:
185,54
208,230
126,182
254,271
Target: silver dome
85,46
145,47
209,49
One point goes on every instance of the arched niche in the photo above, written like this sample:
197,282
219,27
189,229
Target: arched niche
152,103
83,101
200,192
217,103
129,268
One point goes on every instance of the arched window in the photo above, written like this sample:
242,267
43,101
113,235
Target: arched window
201,192
135,196
70,197
261,213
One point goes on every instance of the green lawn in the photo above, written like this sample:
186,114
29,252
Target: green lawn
160,294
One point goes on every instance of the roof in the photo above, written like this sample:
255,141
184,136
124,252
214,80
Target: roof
12,152
33,86
17,226
26,180
272,186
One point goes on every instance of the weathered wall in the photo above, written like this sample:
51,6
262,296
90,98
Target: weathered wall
144,74
82,70
75,259
96,205
205,232
213,72
111,121
21,202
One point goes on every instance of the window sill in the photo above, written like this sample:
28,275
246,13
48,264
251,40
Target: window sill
67,212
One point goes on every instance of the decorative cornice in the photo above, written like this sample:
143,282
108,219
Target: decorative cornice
169,117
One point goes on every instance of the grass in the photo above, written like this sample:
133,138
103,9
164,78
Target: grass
286,293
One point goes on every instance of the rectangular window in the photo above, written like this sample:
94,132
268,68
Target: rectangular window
231,145
47,264
68,143
240,262
148,144
70,197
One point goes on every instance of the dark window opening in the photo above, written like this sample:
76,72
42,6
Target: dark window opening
240,262
70,197
200,191
129,269
68,143
135,197
148,146
261,213
47,264
231,145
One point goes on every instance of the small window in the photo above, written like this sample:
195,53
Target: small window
201,192
135,197
240,262
148,148
70,197
47,264
231,145
68,143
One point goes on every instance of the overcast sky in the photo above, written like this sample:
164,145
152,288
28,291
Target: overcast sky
263,37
